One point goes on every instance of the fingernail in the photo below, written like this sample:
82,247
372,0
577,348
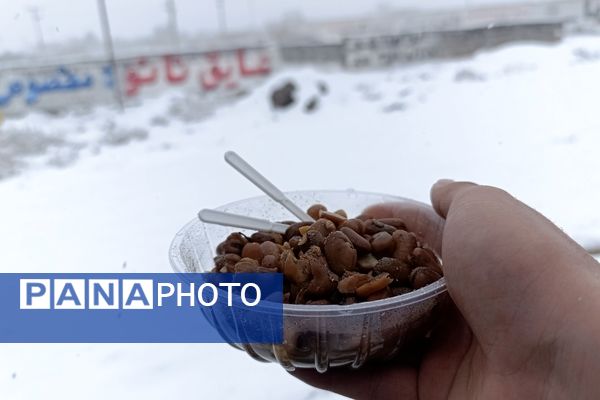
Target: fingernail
443,182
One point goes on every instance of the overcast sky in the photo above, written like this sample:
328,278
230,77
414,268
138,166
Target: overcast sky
65,19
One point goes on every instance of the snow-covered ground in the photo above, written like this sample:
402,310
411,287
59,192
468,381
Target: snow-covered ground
106,191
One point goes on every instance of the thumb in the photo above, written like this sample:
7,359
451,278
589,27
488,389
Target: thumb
445,191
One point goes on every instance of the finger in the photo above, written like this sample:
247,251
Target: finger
445,191
376,382
419,218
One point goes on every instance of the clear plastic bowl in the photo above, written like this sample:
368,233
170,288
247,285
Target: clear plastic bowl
321,336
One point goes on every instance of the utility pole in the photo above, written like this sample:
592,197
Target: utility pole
221,16
172,23
252,11
110,51
37,26
465,14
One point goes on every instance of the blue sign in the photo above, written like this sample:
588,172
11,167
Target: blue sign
141,308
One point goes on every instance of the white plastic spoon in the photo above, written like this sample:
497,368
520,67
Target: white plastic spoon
265,185
240,221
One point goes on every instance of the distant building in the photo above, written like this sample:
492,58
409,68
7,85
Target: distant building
400,36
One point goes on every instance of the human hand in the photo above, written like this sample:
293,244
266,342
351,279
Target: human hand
527,317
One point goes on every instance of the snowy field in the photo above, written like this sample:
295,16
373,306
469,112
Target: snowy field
104,191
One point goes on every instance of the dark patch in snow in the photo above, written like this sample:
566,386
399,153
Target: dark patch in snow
17,146
284,96
393,107
311,105
586,55
468,75
121,136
